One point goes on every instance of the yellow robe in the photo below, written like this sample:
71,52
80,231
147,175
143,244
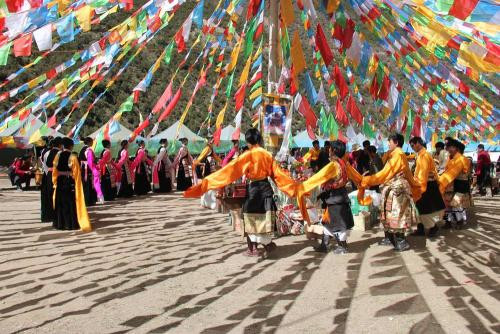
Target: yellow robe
256,164
454,167
205,153
397,163
425,169
81,209
312,155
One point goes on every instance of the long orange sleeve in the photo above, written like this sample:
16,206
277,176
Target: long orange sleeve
256,164
328,172
396,164
453,169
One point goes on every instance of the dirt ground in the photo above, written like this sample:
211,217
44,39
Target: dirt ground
160,263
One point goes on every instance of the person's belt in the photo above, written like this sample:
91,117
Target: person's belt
64,174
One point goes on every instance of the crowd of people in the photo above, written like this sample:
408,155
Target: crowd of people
419,191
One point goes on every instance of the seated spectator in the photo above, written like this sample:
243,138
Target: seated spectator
23,174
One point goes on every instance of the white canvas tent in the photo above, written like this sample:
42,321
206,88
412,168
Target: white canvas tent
117,132
227,133
184,132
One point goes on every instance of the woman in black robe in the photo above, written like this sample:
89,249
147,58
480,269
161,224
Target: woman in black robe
47,187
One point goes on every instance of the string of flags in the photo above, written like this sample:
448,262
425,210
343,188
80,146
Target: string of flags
411,75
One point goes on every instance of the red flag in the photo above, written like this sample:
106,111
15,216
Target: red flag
416,127
310,132
340,114
323,46
383,93
136,95
171,105
340,82
35,3
239,97
461,9
14,5
129,4
164,98
22,46
253,8
179,40
374,87
464,88
217,134
139,129
354,110
306,111
52,121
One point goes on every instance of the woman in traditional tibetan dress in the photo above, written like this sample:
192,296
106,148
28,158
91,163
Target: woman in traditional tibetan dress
90,174
431,205
163,176
47,188
454,184
69,201
332,178
209,162
127,177
259,208
398,211
142,184
183,163
108,171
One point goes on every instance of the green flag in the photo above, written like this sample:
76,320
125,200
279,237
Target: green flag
367,129
4,54
127,105
249,38
229,85
168,53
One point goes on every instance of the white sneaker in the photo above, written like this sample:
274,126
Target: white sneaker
100,201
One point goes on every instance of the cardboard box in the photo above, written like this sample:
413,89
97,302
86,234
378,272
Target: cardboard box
362,222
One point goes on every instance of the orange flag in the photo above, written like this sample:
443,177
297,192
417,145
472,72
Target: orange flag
298,60
287,12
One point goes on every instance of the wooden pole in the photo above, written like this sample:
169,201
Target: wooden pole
273,46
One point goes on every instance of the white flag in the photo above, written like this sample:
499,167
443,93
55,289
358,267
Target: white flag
43,37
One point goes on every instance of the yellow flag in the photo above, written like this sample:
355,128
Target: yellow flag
256,93
62,86
298,60
83,15
234,56
220,117
246,70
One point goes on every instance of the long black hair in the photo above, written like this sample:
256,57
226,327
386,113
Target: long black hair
253,137
123,144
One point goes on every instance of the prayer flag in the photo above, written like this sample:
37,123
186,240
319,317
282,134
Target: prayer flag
340,114
22,46
323,46
298,60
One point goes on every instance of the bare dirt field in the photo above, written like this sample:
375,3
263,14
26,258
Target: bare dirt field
160,263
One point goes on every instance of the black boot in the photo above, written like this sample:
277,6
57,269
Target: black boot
341,248
420,232
433,231
323,248
388,239
400,243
